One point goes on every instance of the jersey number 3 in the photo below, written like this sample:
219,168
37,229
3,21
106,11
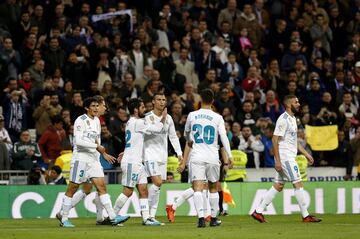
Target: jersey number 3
206,135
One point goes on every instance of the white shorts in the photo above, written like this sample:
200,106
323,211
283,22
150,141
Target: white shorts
290,172
133,174
201,171
82,172
155,168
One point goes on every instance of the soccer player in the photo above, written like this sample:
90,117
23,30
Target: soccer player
87,186
188,193
203,128
85,163
133,171
285,150
156,150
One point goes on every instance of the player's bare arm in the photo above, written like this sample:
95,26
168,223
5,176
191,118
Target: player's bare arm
275,141
182,164
305,153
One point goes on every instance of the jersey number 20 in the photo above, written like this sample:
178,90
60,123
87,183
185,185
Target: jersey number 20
206,135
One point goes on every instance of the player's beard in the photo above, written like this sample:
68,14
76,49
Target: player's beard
294,110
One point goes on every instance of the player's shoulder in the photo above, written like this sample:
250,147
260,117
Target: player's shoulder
148,114
82,117
283,117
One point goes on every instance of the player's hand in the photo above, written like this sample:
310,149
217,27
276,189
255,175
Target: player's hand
180,157
164,114
181,167
231,163
119,158
111,159
310,159
278,167
226,168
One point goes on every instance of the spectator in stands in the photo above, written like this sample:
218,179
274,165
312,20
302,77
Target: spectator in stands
232,72
272,107
252,146
15,114
138,57
56,177
209,79
76,107
42,115
229,14
165,65
341,156
25,153
78,71
321,31
37,74
5,146
11,57
347,106
187,68
50,141
266,140
248,20
191,99
289,58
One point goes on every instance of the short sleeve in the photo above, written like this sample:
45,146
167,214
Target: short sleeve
280,127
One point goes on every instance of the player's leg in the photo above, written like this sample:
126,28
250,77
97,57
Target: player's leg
198,176
269,197
129,179
213,175
152,169
81,194
77,176
170,209
206,200
66,205
144,200
295,178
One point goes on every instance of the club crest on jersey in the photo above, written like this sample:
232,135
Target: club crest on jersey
88,123
152,118
78,127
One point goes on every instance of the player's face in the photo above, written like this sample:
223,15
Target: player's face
295,105
93,109
141,110
159,102
102,108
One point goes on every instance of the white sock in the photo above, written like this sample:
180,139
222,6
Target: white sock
77,197
119,203
144,207
205,201
66,206
214,204
183,197
99,208
269,196
154,196
225,206
299,194
106,202
199,203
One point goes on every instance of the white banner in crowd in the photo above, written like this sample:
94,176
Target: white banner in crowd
105,16
314,174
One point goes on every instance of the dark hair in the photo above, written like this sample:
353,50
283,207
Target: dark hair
207,96
88,101
158,93
289,97
133,104
56,119
57,169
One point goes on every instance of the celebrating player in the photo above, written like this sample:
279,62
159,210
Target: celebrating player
133,171
285,150
203,128
85,163
87,186
156,150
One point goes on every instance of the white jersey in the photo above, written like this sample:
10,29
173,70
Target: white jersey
86,132
156,144
286,128
134,135
204,127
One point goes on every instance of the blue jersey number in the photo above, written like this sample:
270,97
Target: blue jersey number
127,138
206,135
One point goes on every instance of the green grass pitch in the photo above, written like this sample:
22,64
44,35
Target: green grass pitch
333,226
